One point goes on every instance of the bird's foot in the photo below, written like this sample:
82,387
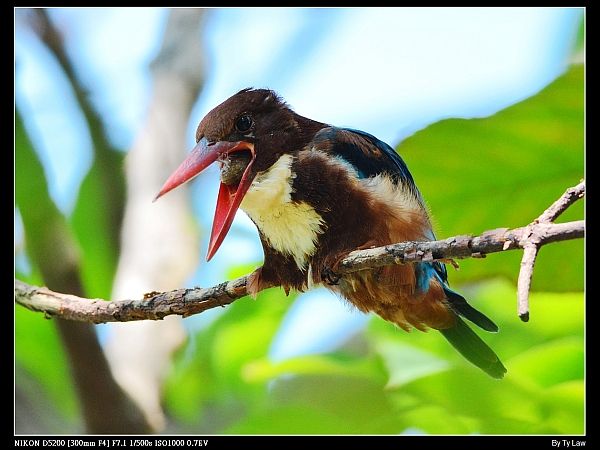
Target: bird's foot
253,285
330,277
452,262
260,280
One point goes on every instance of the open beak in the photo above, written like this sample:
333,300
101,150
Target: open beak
230,196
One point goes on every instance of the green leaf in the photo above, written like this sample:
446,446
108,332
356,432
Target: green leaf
472,394
553,316
96,221
38,349
361,402
291,420
211,367
550,363
265,370
435,420
185,390
565,402
504,171
406,363
544,357
235,346
245,333
241,270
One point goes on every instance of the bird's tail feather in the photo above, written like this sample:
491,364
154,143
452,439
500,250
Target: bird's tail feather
461,306
474,349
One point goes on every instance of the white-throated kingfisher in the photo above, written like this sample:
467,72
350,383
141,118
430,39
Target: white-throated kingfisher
317,192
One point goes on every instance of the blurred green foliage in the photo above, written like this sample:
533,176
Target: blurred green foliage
500,171
96,221
392,382
38,348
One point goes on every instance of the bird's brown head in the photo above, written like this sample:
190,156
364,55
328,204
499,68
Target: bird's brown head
246,135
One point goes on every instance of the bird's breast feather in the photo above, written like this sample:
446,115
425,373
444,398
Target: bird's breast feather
291,228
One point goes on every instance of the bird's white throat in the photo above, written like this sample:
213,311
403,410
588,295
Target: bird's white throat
291,228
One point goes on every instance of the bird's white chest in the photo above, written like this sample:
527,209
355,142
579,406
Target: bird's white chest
291,228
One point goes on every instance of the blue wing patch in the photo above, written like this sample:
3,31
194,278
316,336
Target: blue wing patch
425,271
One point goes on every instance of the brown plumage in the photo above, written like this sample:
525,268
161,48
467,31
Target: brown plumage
316,193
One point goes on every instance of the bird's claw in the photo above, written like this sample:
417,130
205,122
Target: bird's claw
330,277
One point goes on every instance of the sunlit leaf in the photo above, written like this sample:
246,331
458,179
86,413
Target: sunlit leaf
435,420
498,297
265,370
406,363
292,420
96,221
550,363
477,395
240,270
565,402
361,402
211,366
245,333
237,345
540,355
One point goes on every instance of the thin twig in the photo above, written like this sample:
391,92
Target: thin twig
570,196
532,242
187,302
524,282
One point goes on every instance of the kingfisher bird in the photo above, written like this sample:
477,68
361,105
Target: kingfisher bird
317,192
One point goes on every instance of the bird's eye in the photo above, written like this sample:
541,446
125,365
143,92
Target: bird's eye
244,123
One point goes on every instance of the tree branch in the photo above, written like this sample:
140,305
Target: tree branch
570,196
187,302
532,243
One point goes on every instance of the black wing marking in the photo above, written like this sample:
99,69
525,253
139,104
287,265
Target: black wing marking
367,154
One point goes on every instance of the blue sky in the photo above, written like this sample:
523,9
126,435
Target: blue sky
388,71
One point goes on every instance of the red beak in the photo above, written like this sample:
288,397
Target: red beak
230,197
